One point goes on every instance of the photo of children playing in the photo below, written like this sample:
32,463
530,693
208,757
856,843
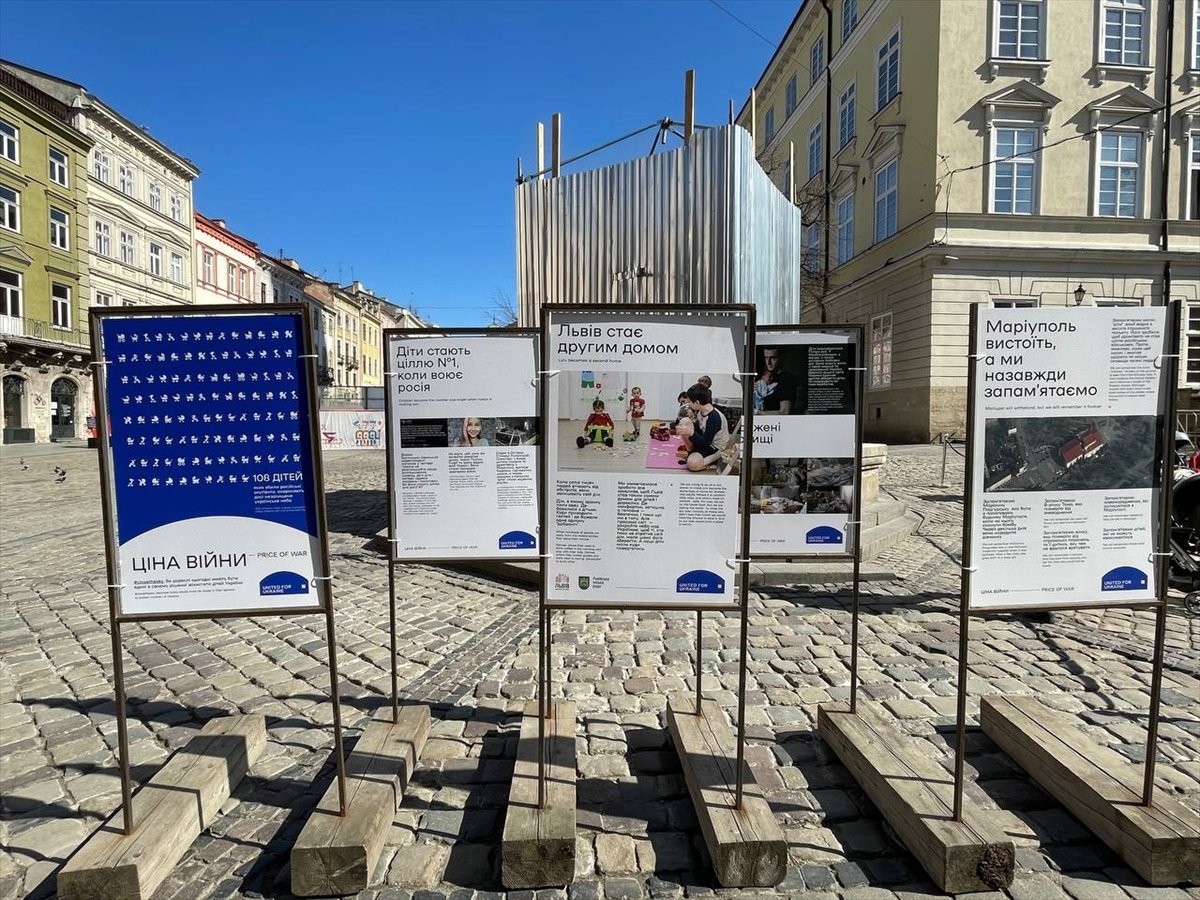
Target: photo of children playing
687,425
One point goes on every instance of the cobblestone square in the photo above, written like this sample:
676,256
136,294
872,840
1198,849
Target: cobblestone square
467,648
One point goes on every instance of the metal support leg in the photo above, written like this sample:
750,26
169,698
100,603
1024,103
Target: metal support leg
541,709
960,741
392,625
1160,634
699,658
741,737
339,752
122,728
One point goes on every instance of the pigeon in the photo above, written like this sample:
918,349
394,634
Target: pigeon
62,475
24,465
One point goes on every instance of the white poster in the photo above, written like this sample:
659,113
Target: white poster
464,435
644,454
1067,448
805,440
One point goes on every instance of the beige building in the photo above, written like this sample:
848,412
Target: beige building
1001,152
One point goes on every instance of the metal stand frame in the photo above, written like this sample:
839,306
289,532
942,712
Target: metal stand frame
742,563
1161,558
108,508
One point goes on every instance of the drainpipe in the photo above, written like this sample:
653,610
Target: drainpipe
827,136
1164,187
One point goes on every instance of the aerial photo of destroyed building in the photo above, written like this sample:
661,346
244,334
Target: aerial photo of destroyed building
1070,453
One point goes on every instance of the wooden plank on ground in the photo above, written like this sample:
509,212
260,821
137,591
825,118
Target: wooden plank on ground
746,845
538,847
178,803
1099,786
336,854
916,796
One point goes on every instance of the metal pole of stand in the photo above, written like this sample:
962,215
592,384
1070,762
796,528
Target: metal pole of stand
860,383
122,726
699,657
541,709
339,752
392,624
1160,633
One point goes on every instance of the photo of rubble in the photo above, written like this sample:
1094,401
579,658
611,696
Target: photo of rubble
1071,453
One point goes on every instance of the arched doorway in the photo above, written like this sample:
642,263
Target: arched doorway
16,430
62,409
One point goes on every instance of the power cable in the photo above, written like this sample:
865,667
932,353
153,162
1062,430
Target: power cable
770,43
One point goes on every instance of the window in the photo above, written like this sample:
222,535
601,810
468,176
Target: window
1193,175
1195,36
1120,174
177,268
1193,343
1019,31
231,278
100,165
155,259
845,229
816,59
1124,32
10,209
176,208
881,350
849,17
791,96
888,71
60,309
815,156
885,200
102,299
58,167
1014,303
128,248
243,284
1117,301
1015,170
127,302
154,195
10,142
846,116
769,124
125,179
786,185
207,274
10,294
60,227
103,242
812,248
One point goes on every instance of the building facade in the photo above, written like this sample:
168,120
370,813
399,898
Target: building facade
282,280
139,202
998,152
45,379
226,264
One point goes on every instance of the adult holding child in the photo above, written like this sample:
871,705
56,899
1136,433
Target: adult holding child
711,436
775,386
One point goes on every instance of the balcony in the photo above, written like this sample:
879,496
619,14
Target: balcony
40,333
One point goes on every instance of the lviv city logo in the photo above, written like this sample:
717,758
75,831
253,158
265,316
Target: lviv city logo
562,581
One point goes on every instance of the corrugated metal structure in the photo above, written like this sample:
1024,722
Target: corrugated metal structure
703,224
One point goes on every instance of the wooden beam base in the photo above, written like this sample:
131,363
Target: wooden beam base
178,803
1099,787
538,847
746,845
916,796
335,854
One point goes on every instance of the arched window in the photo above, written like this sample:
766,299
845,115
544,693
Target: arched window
14,402
62,408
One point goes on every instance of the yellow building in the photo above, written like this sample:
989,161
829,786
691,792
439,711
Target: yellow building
1000,152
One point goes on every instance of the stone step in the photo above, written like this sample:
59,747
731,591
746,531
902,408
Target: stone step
882,511
878,538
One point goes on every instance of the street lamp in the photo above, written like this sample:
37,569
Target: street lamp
1080,293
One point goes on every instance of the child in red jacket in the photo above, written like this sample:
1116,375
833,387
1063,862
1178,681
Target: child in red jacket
598,429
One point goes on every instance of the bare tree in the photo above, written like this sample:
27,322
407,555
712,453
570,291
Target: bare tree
502,309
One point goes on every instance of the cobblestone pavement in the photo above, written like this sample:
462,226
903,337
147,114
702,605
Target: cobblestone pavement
466,647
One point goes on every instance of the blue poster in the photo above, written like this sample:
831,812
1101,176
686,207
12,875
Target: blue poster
211,461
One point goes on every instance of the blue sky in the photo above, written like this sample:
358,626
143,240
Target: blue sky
379,140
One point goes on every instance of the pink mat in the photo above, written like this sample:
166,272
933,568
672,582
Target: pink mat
661,454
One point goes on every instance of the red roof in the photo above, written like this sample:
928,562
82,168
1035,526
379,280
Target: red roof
1071,451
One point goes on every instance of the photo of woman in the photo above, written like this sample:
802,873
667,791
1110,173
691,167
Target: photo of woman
472,434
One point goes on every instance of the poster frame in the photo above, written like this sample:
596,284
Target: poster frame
387,335
742,606
860,369
1168,364
117,618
